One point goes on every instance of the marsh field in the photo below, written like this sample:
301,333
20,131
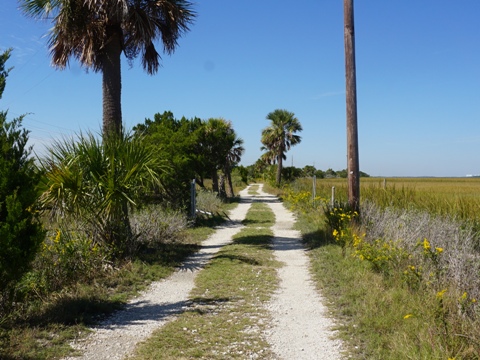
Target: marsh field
456,197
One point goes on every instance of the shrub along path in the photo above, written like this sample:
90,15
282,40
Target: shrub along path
298,327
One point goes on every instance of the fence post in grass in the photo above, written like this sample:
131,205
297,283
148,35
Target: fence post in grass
384,183
314,192
333,196
193,199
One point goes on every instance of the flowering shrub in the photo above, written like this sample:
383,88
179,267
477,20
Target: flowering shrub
384,256
65,257
341,221
339,217
301,201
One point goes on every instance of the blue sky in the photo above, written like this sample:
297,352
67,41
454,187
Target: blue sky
418,81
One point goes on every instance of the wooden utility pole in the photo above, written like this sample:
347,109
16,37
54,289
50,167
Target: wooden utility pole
351,97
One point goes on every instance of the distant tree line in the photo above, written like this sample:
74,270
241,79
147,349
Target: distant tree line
264,171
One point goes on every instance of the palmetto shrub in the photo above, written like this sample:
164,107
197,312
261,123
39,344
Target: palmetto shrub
100,182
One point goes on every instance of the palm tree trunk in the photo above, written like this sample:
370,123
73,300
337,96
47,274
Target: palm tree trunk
230,184
215,181
228,174
112,86
279,169
112,123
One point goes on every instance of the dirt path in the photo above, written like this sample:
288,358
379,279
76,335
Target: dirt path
300,328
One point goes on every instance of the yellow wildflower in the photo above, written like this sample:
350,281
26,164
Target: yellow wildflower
57,237
440,293
426,244
439,250
408,316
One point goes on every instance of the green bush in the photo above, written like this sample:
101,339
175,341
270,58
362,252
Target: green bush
20,231
66,257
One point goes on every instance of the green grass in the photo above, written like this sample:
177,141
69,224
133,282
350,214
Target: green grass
253,190
226,316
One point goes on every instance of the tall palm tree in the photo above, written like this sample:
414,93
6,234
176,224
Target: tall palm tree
279,137
96,32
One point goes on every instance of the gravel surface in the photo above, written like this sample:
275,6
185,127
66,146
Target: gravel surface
300,328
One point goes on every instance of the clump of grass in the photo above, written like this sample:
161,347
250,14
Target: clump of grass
155,224
226,316
253,190
208,201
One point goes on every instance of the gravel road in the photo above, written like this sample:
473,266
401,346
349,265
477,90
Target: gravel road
300,327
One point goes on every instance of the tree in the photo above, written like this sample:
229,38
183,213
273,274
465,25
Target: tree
20,230
309,170
193,149
320,174
233,157
96,32
216,139
176,143
279,137
329,173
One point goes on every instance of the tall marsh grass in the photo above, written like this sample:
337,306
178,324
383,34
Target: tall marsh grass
453,197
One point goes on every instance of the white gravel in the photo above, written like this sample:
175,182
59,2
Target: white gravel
300,329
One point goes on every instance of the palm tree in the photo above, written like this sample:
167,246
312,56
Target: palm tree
233,157
96,32
279,137
215,140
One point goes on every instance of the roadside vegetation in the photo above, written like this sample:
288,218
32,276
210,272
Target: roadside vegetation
89,225
403,276
72,285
